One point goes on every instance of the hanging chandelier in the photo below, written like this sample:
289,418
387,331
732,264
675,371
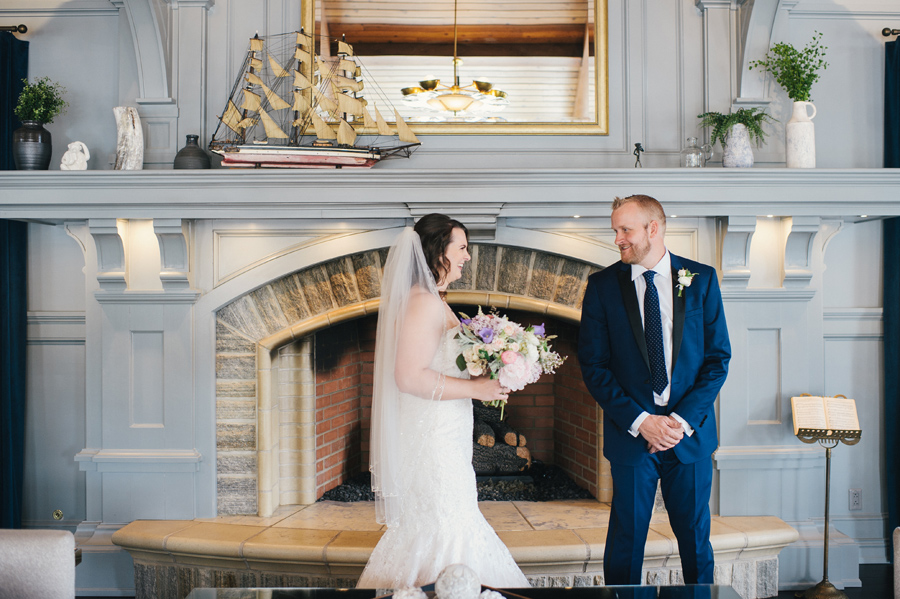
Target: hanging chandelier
478,96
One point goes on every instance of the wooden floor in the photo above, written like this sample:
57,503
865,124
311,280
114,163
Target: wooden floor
877,583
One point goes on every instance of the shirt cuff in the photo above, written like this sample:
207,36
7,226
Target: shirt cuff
687,427
637,423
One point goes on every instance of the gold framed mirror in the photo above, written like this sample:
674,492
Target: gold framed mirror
457,67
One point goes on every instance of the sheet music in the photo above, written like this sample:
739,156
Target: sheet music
841,414
809,412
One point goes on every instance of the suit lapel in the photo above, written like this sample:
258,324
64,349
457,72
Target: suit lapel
678,312
629,298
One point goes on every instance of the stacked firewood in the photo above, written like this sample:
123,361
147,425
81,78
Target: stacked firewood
497,448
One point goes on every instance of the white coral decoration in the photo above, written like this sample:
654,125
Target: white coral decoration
410,593
489,594
457,581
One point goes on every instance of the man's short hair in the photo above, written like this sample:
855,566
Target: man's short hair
650,206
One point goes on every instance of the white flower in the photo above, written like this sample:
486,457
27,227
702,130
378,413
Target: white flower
410,593
685,277
475,368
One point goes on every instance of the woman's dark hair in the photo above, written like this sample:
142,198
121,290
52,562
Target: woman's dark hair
435,230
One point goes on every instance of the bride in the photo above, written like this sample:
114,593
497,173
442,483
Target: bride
421,439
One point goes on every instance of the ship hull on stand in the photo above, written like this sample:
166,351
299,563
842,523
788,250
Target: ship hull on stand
297,157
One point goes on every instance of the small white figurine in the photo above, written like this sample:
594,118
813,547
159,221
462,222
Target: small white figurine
76,158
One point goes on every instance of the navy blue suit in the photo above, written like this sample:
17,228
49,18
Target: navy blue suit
616,369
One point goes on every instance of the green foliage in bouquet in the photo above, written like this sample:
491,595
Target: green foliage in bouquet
795,70
41,101
752,118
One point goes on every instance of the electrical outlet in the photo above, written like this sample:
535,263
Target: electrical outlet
855,499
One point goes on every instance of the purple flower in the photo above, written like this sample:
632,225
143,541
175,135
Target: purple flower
486,334
539,330
466,321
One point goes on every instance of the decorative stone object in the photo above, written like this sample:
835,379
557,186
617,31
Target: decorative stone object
32,147
800,137
457,581
75,158
130,141
410,593
738,152
191,155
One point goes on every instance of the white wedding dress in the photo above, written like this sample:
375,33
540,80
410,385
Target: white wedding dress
440,523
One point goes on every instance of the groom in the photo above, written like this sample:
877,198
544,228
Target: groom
654,353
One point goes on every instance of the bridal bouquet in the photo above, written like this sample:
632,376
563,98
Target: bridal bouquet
495,346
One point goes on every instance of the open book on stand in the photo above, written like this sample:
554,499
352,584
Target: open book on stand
824,413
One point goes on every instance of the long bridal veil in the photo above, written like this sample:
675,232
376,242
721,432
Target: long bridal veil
405,272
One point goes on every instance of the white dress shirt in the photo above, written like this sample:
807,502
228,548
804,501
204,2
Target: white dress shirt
663,281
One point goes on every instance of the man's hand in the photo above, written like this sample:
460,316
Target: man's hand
661,432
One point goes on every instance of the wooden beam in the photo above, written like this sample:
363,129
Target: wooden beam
357,33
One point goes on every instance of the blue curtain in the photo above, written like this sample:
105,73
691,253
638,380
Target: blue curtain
892,293
892,104
13,243
13,69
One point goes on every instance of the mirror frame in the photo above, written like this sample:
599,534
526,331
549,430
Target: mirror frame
599,126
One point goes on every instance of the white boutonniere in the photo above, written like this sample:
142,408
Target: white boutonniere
685,277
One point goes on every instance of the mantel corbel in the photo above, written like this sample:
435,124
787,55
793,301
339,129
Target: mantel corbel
110,253
736,233
173,235
798,248
480,218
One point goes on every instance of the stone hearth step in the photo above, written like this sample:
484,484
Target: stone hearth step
327,544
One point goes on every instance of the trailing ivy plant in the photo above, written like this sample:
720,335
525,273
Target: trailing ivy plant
795,70
752,118
41,101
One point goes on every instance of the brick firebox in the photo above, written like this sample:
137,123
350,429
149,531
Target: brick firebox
557,415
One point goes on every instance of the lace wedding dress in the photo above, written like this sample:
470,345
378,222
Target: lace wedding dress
441,523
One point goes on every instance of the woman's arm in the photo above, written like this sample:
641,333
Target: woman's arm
420,340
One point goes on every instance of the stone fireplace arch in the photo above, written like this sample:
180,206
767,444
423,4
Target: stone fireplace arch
251,329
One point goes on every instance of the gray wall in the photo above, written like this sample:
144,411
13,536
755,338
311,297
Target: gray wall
669,60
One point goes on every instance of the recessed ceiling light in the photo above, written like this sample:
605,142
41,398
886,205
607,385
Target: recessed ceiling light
864,216
770,215
576,216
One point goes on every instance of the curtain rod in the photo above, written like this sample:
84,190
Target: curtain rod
888,31
14,28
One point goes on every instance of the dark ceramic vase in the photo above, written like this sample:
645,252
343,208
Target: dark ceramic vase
32,147
192,155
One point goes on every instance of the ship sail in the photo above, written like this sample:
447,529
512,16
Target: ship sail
272,128
326,97
403,130
345,133
277,69
323,131
382,125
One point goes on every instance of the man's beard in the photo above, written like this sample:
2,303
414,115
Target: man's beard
638,253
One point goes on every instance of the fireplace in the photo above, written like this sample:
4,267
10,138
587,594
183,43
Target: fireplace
294,368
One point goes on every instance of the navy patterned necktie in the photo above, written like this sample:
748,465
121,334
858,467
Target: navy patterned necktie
653,335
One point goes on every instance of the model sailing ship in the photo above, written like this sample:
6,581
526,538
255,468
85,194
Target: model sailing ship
326,124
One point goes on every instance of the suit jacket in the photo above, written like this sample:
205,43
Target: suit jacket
616,369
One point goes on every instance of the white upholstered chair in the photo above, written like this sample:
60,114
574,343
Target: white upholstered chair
37,564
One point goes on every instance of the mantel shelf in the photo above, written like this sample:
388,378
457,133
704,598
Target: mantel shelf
55,196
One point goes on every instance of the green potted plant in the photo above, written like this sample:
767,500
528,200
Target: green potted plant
39,103
796,71
734,131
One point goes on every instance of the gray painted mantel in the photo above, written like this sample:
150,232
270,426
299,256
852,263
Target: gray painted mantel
487,194
164,250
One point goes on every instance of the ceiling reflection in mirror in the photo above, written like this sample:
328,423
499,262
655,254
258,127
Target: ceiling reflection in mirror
521,67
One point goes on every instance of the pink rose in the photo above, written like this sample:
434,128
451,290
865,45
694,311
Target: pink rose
509,357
